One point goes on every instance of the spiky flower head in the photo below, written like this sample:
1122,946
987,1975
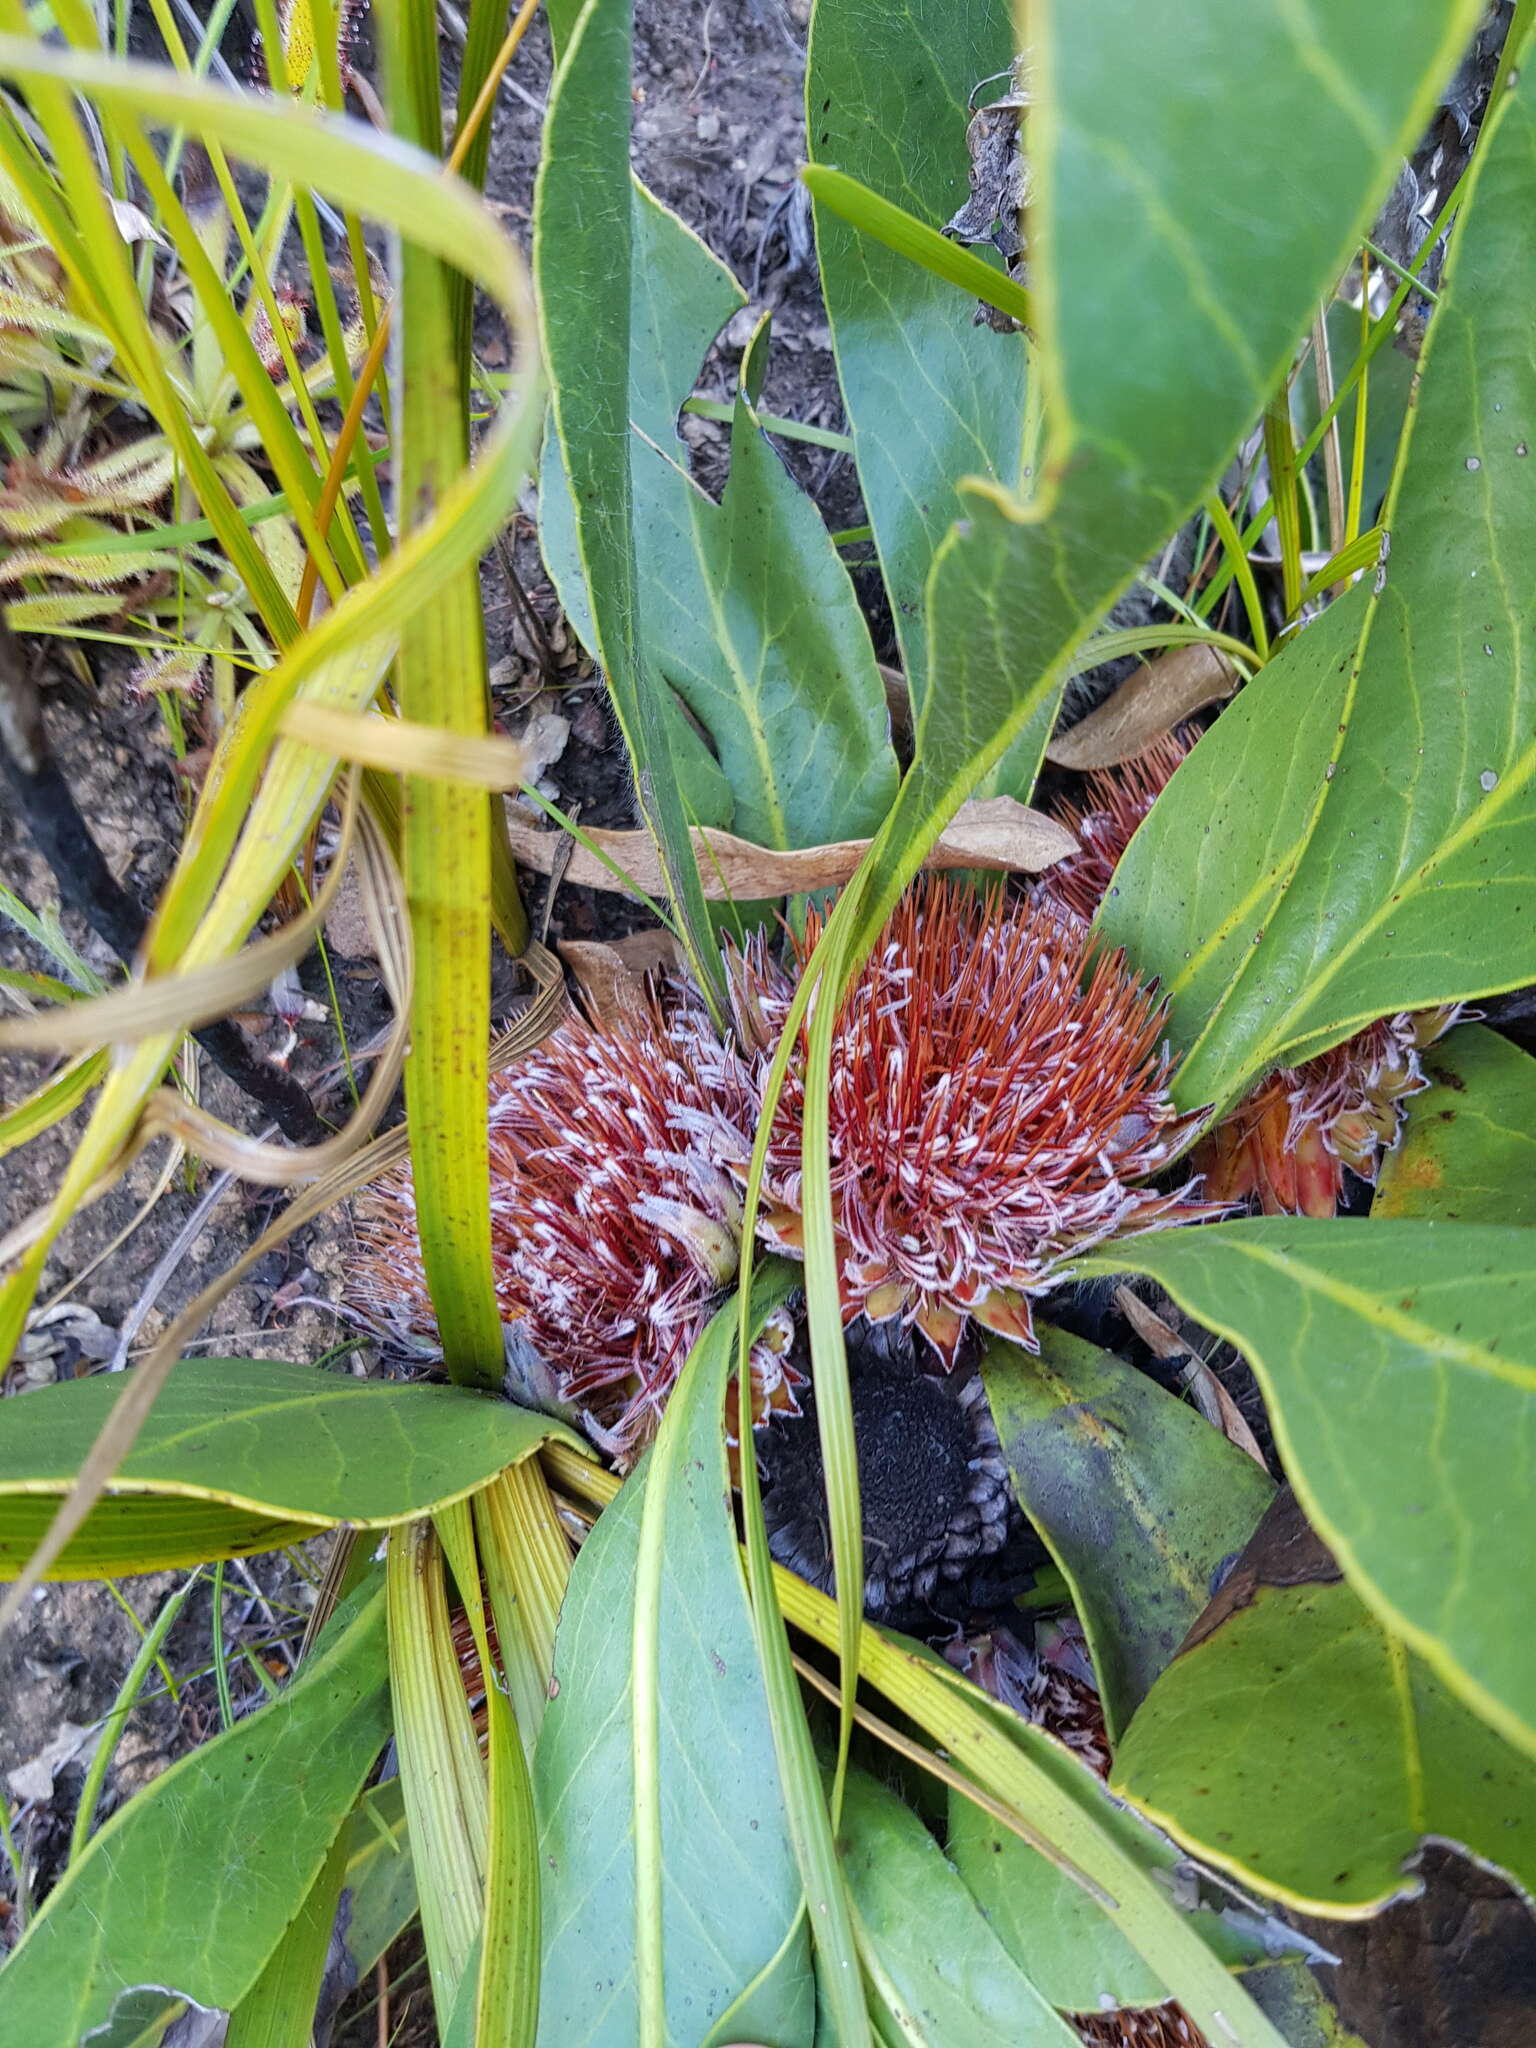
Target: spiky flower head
615,1226
1287,1143
997,1095
1114,803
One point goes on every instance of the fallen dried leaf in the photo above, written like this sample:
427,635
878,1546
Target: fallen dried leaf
997,833
1209,1395
1159,696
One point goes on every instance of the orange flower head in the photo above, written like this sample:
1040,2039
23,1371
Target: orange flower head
1114,804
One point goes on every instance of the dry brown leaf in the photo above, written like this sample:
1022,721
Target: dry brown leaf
994,832
613,992
1210,1396
1147,704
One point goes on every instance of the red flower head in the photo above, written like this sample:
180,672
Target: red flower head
1115,802
1286,1145
996,1094
615,1227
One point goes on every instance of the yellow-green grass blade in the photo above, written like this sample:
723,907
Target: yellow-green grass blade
810,1823
1025,1769
51,1103
506,1988
95,259
440,679
279,2009
436,1742
340,661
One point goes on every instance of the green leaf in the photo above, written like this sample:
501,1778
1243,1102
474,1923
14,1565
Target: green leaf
669,1878
583,251
912,239
1409,868
1055,1931
380,1878
936,1965
931,397
246,1454
1298,1745
1398,1362
1129,239
746,611
1138,1498
259,1806
1468,1150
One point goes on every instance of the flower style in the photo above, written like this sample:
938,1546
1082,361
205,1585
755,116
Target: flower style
1286,1145
996,1095
615,1226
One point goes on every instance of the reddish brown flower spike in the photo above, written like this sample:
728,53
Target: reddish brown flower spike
615,1228
1115,802
996,1093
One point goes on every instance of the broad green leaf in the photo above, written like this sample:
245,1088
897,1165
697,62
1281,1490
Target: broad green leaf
1052,1793
1235,824
1468,1151
1138,1498
937,1966
247,1454
583,252
1055,1931
259,1806
1398,1362
1298,1745
931,396
745,610
1149,152
1411,853
669,1878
